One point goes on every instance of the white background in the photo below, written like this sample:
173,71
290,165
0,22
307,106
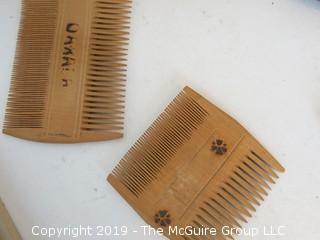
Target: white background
259,60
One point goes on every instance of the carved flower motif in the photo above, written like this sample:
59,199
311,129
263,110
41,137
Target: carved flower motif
219,147
163,218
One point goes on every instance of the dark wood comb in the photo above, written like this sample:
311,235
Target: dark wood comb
197,167
69,74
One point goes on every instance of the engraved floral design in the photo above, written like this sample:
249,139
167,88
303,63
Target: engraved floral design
219,147
163,218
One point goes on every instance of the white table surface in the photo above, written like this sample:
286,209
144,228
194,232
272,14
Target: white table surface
259,60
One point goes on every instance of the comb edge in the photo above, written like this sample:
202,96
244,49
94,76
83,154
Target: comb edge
37,136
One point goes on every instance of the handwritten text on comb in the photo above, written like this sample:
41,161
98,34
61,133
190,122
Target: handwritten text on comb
68,56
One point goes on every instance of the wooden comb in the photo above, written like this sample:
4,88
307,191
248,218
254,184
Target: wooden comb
69,74
195,167
8,230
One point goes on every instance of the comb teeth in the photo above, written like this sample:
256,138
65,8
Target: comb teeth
105,84
27,96
233,200
144,161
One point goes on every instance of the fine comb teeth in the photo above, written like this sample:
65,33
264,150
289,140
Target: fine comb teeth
69,74
196,167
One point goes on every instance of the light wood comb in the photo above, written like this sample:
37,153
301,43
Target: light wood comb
197,167
69,74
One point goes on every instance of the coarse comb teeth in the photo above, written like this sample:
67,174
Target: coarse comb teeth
103,104
244,187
